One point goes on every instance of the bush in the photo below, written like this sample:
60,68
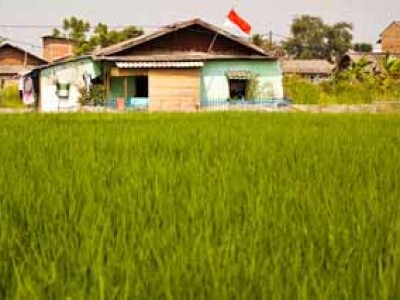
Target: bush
9,97
346,88
93,96
300,90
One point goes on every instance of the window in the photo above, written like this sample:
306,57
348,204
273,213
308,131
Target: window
237,89
142,86
63,90
238,83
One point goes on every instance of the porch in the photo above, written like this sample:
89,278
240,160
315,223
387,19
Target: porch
127,89
153,86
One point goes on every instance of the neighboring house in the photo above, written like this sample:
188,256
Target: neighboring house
177,68
374,60
390,38
14,62
350,59
312,69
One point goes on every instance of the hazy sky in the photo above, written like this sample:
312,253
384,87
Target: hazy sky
368,17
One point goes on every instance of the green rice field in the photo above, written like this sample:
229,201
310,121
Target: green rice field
199,206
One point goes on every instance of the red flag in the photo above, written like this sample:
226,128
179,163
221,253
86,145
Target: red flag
239,21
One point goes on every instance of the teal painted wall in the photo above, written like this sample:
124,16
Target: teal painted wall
118,88
215,83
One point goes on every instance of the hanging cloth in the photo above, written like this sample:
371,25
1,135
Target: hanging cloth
28,91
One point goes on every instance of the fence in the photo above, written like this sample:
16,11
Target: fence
244,105
131,104
142,104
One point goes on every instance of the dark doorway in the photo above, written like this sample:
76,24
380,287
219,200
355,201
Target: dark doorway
237,89
142,86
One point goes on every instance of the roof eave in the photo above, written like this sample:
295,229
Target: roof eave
40,68
195,58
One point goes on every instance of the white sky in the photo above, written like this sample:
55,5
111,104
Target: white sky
368,17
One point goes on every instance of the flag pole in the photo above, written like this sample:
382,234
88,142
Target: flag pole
212,42
234,4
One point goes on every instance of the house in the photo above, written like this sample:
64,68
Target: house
312,69
373,60
351,58
15,61
177,68
390,38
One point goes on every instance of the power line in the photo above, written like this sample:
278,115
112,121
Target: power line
47,26
21,42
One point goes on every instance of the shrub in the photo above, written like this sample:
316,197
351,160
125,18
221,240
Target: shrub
300,90
9,97
93,96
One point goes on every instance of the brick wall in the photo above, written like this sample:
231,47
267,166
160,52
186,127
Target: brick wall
390,39
56,48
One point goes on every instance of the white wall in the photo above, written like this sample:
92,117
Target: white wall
69,72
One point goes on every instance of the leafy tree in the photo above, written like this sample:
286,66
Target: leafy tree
362,47
307,40
257,39
338,39
312,38
79,31
267,45
104,37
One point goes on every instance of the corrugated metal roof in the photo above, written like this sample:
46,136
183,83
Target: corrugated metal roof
155,64
306,66
239,74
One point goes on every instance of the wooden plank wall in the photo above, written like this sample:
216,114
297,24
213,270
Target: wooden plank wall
174,89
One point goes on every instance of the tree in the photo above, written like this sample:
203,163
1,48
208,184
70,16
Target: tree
104,37
79,31
338,38
267,45
312,38
362,47
257,39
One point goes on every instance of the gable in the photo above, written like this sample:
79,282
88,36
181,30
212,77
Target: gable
392,29
191,37
12,56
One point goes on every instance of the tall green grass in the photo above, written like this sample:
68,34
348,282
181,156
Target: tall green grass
209,206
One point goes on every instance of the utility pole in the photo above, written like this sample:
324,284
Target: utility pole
270,38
